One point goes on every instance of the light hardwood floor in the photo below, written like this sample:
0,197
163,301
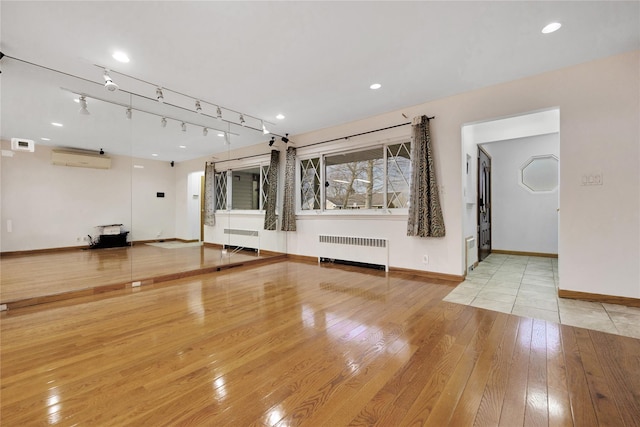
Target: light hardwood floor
47,276
298,344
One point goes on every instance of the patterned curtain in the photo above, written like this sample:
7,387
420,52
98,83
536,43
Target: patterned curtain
210,194
271,192
425,211
289,203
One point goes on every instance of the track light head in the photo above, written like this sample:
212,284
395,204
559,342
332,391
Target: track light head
159,95
273,140
184,127
242,122
198,107
83,106
129,113
163,122
265,131
108,83
218,113
172,163
101,152
205,131
285,138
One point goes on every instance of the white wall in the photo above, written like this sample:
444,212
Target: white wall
52,206
522,220
599,244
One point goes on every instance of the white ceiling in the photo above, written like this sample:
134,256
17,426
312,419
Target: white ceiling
311,61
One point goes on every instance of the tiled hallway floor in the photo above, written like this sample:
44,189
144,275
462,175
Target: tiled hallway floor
527,286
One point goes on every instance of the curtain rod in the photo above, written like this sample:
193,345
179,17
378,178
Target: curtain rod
361,133
324,142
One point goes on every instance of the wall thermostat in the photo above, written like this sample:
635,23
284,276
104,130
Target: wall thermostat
21,144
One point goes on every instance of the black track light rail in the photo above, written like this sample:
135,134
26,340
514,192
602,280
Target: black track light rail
44,67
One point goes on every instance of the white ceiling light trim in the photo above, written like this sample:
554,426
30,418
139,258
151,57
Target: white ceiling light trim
120,56
552,27
375,86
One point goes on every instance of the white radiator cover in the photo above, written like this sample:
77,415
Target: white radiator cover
370,250
243,238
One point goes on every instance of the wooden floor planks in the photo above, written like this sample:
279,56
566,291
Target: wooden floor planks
297,344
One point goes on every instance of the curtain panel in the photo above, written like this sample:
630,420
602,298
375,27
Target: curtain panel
425,211
210,194
271,192
289,203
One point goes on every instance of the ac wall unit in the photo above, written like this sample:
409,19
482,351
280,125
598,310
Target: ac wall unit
80,159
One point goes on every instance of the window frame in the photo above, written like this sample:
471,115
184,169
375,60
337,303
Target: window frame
322,155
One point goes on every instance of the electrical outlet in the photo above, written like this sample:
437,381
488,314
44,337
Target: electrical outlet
136,284
78,239
425,259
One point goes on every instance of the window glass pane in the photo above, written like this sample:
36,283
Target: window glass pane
398,175
264,188
245,189
221,191
310,184
355,180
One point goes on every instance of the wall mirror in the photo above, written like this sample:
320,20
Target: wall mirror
540,174
151,191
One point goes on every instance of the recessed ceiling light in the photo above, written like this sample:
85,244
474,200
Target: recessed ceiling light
550,28
76,100
121,57
375,86
45,139
221,134
182,146
138,167
154,155
57,124
280,116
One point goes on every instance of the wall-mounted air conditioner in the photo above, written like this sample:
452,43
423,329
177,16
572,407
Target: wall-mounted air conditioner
80,159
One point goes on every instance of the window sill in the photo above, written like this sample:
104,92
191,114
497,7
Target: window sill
381,214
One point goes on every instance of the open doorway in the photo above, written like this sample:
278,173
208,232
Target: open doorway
500,213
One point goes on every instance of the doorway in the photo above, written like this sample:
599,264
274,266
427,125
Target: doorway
484,204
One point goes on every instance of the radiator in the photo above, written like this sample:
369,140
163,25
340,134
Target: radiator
241,238
352,248
470,253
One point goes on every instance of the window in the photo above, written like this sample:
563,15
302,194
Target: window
310,183
373,178
221,190
355,180
245,189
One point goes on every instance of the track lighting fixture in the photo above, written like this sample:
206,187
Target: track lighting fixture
184,127
205,131
163,122
83,106
159,95
285,138
108,83
242,120
129,113
198,107
273,140
101,152
218,113
265,131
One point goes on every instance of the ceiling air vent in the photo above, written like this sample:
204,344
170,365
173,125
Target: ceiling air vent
80,159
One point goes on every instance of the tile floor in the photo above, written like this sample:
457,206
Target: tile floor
527,286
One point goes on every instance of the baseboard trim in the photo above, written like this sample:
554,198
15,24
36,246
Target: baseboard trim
540,254
428,274
44,251
303,258
609,299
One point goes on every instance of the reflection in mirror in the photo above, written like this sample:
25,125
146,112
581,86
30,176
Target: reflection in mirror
540,173
68,196
126,206
245,189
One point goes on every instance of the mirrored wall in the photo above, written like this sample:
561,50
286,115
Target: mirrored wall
112,190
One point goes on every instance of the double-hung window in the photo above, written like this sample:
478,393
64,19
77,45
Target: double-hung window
242,189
